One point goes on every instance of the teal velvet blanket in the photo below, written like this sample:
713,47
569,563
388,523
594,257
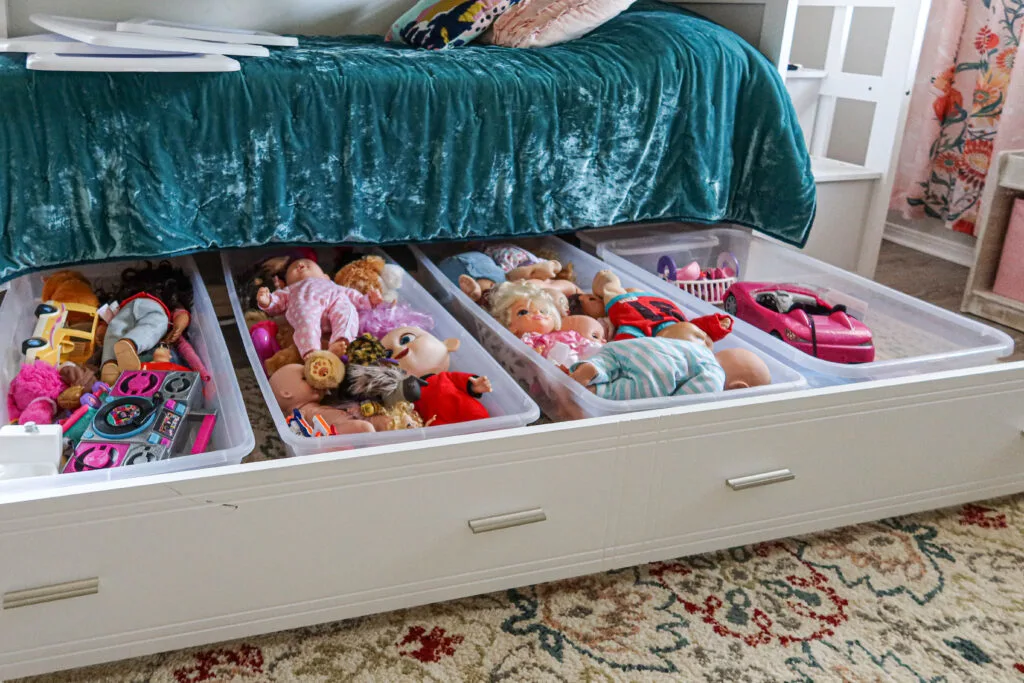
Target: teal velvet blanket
657,115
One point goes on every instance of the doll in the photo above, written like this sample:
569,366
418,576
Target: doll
69,287
743,369
652,367
531,314
519,264
293,392
586,327
641,314
475,273
150,305
447,397
380,320
311,302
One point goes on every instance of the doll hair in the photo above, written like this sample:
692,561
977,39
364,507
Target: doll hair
575,305
506,294
164,281
380,320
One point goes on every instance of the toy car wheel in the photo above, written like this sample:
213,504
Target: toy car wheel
730,304
775,333
667,268
45,309
32,343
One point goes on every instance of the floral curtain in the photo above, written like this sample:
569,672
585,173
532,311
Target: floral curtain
967,105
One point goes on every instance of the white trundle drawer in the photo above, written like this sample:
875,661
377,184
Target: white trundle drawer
197,557
188,558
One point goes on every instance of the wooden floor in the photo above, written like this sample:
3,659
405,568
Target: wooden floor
933,280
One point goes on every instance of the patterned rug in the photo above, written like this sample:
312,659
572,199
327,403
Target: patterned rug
932,597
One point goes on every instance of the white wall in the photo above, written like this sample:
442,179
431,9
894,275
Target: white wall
331,17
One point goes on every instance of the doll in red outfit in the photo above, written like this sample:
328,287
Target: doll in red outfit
635,313
448,397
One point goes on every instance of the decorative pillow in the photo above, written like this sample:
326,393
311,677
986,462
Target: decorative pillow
539,23
437,24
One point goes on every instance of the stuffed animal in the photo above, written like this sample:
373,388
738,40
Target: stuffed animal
79,382
33,394
324,370
371,273
69,287
293,392
388,384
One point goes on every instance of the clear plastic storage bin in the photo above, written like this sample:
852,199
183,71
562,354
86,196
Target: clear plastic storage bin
910,336
232,437
508,404
559,396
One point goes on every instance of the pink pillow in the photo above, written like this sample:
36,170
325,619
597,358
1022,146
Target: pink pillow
539,23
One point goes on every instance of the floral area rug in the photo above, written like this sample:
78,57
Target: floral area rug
927,598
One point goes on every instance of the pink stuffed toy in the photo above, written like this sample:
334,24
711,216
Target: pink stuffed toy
33,393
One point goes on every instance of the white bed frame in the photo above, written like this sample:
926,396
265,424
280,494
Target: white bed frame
110,570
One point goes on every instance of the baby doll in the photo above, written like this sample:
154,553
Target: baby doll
641,314
293,393
152,305
652,367
311,302
519,264
447,397
531,314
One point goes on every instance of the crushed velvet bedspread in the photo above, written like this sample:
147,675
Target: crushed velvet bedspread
658,115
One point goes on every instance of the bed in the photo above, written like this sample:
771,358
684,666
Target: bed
660,114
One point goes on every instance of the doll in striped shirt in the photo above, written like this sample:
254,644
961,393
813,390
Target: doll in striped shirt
677,363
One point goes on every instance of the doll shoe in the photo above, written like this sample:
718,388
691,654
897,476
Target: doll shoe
127,356
109,373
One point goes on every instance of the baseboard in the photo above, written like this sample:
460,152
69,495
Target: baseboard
933,245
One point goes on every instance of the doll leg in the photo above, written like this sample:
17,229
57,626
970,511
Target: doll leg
343,319
343,422
545,270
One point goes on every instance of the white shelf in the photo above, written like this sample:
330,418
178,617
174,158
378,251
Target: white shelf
807,73
833,171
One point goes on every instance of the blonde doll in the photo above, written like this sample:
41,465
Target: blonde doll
533,314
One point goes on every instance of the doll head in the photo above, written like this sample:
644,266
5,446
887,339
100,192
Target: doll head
524,308
587,327
303,269
418,352
291,388
743,369
586,304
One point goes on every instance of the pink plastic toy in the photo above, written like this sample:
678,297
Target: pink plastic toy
802,319
264,339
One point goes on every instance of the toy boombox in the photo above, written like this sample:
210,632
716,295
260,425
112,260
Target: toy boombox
147,416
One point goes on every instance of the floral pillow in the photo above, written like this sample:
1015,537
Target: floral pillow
437,24
539,23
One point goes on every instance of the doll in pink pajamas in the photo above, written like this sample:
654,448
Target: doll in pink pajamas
312,303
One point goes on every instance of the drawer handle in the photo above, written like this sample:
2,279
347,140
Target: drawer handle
485,524
60,591
755,480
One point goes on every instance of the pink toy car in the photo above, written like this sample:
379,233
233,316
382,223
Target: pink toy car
801,318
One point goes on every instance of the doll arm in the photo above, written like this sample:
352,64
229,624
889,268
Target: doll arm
278,302
362,302
180,320
466,380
